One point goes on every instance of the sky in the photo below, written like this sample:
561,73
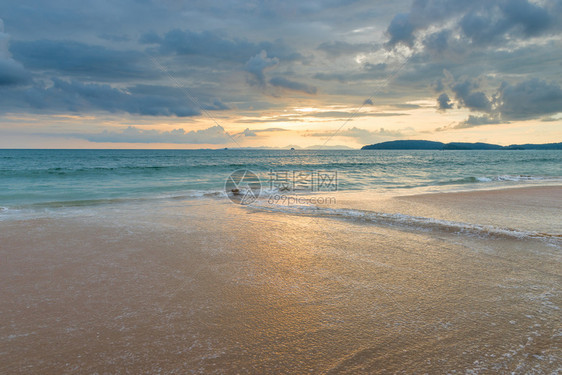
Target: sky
319,73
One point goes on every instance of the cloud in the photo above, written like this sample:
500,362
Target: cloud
83,60
257,65
213,45
254,132
443,102
292,85
437,42
401,30
115,37
438,85
467,97
216,105
474,121
471,122
478,22
12,72
142,99
271,130
66,60
212,135
75,96
505,19
205,43
346,115
341,48
529,99
266,120
248,133
406,106
362,135
332,115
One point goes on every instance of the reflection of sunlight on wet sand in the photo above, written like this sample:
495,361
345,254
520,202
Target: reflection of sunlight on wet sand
213,286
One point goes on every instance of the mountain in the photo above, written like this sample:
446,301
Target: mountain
471,146
430,145
405,145
530,146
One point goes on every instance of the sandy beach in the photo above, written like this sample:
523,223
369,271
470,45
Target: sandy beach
281,187
530,208
211,287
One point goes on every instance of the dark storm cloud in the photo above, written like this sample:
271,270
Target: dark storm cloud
12,73
84,60
529,99
437,85
214,45
75,96
138,100
115,37
443,102
257,65
401,30
459,36
504,18
63,54
479,22
467,97
437,42
292,85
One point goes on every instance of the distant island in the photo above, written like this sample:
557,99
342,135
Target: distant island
430,145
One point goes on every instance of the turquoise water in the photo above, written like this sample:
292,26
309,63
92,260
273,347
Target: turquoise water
61,177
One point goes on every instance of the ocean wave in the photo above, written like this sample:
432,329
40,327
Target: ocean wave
519,178
106,201
117,169
417,223
500,178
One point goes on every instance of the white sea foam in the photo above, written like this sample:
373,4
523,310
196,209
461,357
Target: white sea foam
483,179
194,194
412,222
518,178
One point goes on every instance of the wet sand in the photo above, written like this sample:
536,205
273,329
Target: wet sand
210,287
536,208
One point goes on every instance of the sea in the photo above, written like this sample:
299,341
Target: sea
280,261
52,178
